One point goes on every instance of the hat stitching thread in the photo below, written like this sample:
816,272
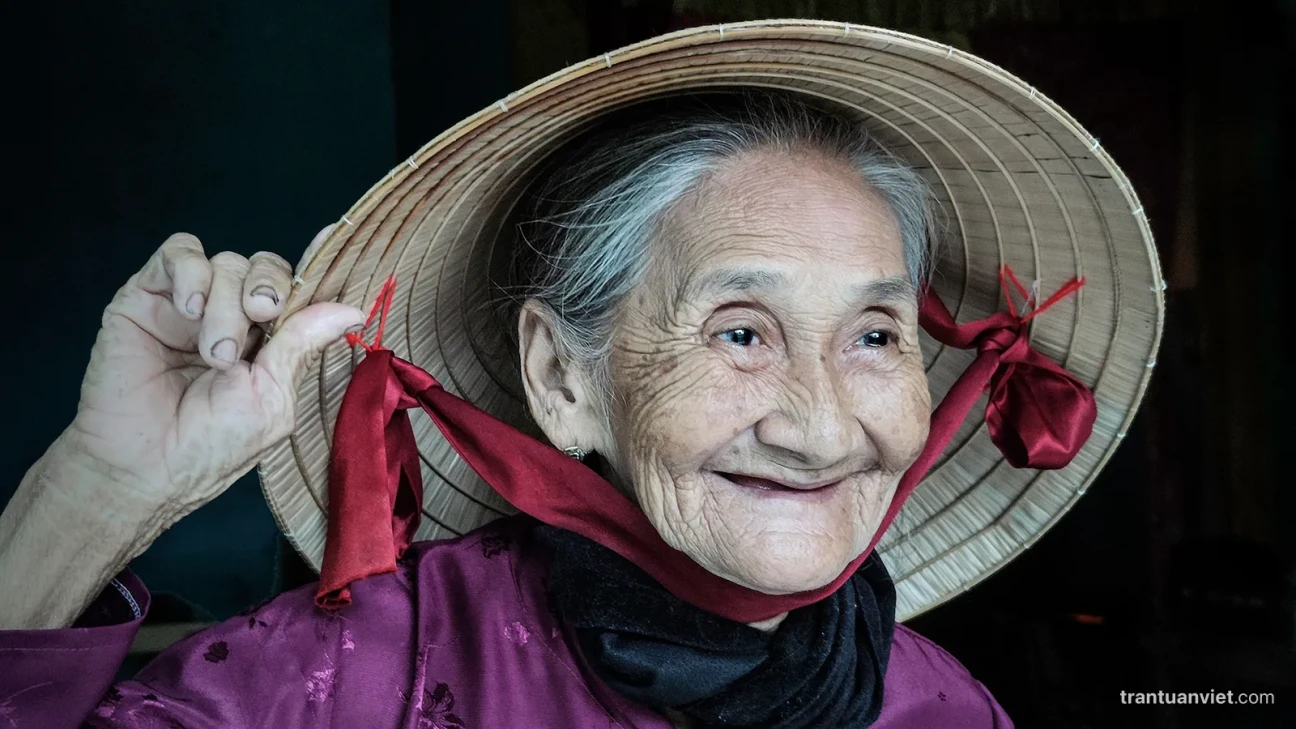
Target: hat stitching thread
380,309
1006,276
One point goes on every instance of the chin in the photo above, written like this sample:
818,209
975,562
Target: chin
781,564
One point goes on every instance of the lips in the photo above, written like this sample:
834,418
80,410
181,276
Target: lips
766,484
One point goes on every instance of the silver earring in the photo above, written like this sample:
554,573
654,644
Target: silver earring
576,452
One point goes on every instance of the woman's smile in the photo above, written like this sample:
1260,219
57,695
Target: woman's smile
774,484
782,490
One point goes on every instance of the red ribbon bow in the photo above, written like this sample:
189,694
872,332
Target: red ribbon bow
1039,416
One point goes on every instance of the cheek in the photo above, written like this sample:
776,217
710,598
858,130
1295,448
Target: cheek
681,409
895,409
735,401
656,387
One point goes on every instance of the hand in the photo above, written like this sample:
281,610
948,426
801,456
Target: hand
178,402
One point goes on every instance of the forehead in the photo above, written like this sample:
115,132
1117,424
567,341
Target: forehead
798,212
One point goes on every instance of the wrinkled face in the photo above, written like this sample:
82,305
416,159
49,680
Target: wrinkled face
769,389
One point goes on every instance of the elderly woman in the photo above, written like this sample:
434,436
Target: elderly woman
717,313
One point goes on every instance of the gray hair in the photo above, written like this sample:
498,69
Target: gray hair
589,231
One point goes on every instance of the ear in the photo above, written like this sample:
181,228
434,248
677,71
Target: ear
557,391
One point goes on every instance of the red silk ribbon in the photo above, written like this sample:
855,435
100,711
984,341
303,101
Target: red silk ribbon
1039,416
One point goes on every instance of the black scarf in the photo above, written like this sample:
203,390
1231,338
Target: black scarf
822,668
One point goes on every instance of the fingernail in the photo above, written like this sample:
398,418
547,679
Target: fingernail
356,329
195,304
267,292
223,350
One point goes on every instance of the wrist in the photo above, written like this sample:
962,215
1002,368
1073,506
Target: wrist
98,498
62,538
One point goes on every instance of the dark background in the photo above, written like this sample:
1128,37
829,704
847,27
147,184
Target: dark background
253,123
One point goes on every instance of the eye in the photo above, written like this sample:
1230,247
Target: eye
741,336
876,339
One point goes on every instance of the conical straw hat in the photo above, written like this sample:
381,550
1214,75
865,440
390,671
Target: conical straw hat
1022,184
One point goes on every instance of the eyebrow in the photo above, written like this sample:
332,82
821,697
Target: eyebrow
887,290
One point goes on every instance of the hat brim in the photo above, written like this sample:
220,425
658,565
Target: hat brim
1021,182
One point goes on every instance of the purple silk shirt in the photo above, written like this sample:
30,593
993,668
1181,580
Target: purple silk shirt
462,636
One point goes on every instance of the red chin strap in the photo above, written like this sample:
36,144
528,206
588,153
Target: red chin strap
1039,416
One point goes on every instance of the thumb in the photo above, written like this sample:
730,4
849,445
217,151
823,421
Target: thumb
303,336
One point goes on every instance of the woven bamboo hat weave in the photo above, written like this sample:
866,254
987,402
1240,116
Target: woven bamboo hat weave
1022,183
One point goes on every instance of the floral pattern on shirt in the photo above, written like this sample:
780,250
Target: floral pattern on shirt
517,633
217,652
494,544
437,709
320,684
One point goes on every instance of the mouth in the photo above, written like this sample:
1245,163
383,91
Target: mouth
765,484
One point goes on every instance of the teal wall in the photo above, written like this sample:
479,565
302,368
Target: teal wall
250,123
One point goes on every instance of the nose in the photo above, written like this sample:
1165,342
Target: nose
814,425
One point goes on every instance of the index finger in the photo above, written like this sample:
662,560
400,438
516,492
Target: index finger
179,269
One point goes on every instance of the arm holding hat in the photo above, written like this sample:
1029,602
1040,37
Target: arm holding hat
178,401
171,414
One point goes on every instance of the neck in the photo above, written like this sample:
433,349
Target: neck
770,625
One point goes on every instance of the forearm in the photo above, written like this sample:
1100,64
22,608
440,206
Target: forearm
62,538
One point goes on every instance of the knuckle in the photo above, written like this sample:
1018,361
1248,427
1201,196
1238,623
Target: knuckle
152,275
231,262
278,404
271,261
185,242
